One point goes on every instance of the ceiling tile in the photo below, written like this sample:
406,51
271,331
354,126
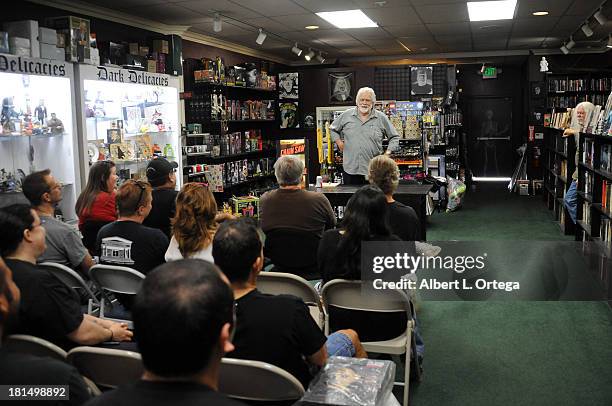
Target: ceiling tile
124,4
166,13
317,6
491,27
229,30
222,6
449,29
534,26
299,21
583,8
555,8
393,16
271,7
336,35
269,25
368,33
454,39
444,13
406,30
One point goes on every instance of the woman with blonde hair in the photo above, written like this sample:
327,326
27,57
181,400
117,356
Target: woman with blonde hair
194,224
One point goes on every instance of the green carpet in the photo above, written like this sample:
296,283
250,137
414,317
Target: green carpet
511,353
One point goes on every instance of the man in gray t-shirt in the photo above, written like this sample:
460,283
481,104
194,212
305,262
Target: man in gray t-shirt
359,134
64,244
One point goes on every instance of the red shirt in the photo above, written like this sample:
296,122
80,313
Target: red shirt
102,209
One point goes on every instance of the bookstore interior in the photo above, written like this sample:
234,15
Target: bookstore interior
483,129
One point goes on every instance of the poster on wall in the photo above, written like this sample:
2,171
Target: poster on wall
341,87
288,85
289,115
421,78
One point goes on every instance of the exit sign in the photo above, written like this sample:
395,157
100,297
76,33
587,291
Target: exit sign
489,72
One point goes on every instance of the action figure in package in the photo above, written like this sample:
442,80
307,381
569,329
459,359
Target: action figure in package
55,124
7,116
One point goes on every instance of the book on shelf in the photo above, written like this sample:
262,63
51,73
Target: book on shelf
604,161
605,231
606,193
587,151
588,183
586,213
563,171
562,216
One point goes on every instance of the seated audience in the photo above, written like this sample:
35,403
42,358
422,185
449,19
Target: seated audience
183,318
126,242
97,200
194,225
162,177
365,219
49,309
292,207
275,329
23,369
384,173
64,245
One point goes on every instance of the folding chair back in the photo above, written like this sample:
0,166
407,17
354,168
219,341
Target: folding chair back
107,367
26,344
280,283
347,294
257,381
72,279
117,279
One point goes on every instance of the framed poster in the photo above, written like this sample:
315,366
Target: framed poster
288,85
421,78
341,87
289,115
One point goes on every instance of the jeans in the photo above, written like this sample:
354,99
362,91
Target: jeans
569,201
339,345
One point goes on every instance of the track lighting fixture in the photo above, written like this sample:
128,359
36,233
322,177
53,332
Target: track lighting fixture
570,44
600,17
609,45
296,50
586,29
217,24
320,57
261,37
309,55
564,49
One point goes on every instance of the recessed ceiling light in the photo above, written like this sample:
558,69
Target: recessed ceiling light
348,19
540,13
311,27
491,10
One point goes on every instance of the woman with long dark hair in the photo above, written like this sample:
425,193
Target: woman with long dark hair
96,203
365,219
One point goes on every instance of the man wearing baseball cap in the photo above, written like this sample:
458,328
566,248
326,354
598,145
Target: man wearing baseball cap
162,177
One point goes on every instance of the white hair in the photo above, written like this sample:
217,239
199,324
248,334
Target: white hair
365,90
288,170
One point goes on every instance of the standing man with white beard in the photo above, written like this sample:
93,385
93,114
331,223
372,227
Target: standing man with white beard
359,133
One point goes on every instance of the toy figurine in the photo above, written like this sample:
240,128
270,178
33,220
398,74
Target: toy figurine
28,127
55,125
8,113
40,112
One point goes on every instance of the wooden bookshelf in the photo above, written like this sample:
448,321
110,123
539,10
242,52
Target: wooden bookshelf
559,166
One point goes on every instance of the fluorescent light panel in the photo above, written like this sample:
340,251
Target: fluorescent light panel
491,10
348,19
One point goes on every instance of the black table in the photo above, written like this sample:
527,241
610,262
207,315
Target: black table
411,195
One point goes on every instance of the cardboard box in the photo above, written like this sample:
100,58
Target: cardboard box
77,35
20,51
161,46
48,51
47,36
134,48
17,42
25,29
152,66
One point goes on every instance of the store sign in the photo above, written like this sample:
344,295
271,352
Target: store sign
292,149
131,76
43,67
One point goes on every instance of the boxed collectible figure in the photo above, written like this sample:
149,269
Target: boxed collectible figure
4,43
25,29
347,381
245,206
47,36
161,46
77,31
50,51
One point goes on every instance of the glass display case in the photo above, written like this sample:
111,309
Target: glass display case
128,117
38,128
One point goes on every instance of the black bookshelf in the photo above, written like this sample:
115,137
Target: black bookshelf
559,166
568,89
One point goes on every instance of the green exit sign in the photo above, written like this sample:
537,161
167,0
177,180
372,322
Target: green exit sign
489,72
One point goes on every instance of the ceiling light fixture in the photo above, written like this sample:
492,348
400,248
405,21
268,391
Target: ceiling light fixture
540,13
491,10
403,45
261,37
320,57
600,17
309,55
586,29
348,19
312,27
564,49
217,24
570,44
609,45
296,50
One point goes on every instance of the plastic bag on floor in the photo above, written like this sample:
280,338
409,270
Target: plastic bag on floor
456,190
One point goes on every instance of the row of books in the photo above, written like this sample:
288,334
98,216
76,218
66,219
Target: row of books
605,160
586,213
566,84
566,101
605,230
601,85
606,193
588,183
588,150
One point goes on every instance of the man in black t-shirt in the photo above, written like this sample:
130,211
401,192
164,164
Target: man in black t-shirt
183,318
126,242
23,369
277,329
162,177
49,309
